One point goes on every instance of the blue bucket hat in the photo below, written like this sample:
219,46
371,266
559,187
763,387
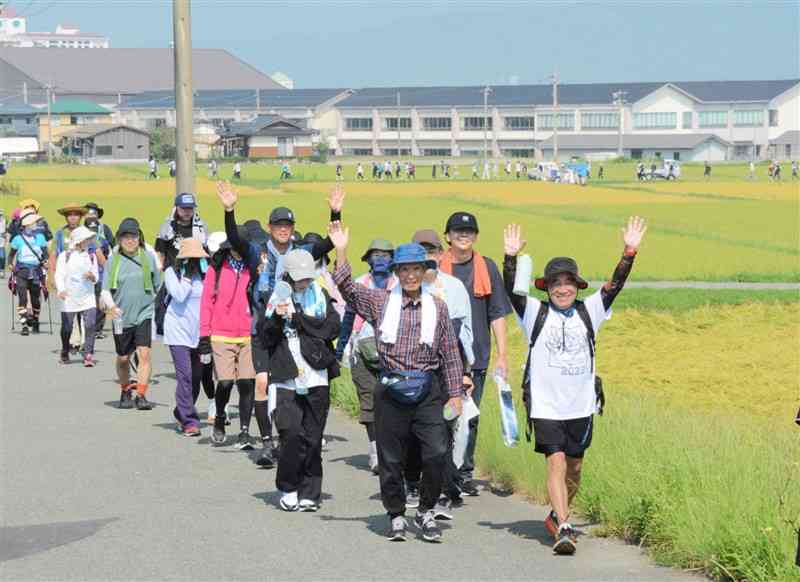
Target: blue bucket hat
185,200
412,253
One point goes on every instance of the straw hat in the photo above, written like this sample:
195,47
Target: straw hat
29,202
73,207
191,248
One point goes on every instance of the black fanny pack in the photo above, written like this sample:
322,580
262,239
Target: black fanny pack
407,387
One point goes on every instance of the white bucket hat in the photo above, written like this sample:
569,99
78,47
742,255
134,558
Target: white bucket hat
300,265
215,239
80,235
30,219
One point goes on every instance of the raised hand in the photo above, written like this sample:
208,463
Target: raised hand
336,198
633,233
227,195
513,243
339,235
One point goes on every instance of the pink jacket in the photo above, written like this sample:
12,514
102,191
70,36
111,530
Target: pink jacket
227,314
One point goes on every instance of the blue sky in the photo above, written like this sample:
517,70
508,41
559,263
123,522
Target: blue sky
356,44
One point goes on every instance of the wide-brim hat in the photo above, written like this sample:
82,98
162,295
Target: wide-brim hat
30,219
558,266
73,208
300,265
94,206
427,237
191,248
412,254
81,234
379,244
30,202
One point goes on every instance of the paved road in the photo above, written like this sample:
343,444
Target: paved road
90,492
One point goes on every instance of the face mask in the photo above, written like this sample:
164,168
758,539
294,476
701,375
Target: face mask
298,296
380,264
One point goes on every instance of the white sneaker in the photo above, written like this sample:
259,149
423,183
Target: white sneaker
212,411
308,505
227,415
288,501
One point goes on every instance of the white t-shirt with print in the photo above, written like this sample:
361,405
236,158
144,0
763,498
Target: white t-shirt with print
561,374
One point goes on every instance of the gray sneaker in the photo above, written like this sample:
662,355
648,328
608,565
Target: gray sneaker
442,509
412,496
428,527
397,531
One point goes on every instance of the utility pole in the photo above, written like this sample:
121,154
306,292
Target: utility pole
555,117
184,102
49,124
619,101
398,126
486,91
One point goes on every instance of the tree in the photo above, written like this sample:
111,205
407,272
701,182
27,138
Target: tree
321,151
162,143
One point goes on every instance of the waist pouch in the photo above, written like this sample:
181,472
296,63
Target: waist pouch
368,348
407,387
316,352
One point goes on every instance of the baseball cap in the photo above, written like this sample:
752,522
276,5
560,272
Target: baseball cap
300,265
281,213
427,237
129,226
461,220
185,200
412,253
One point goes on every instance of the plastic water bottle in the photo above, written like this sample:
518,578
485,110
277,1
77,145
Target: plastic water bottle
205,359
116,324
450,412
522,280
508,416
283,292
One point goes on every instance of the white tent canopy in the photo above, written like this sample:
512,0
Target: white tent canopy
18,146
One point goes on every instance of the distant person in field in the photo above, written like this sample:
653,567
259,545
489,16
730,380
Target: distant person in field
447,170
397,170
707,170
2,244
475,170
600,172
387,169
486,172
172,168
508,168
412,171
237,171
153,166
339,177
794,170
359,171
561,390
433,171
776,172
495,170
374,170
752,171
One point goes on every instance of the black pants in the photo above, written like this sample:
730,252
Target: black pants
67,324
100,319
33,284
465,473
413,470
395,427
300,421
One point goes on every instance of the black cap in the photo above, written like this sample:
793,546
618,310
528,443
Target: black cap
94,206
461,220
558,266
129,226
281,213
257,233
244,236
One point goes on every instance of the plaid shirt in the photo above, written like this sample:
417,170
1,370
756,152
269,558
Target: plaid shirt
407,354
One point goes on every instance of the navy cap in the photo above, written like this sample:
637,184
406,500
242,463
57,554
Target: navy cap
281,214
185,200
412,253
461,220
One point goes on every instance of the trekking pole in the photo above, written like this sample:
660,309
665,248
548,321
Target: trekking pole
50,313
12,313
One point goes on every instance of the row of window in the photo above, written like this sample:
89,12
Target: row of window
10,120
589,120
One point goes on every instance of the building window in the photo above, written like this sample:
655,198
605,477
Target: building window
391,123
5,121
636,154
393,152
437,152
519,123
475,123
599,120
518,153
773,118
358,124
712,119
437,123
687,120
565,120
74,120
788,150
655,120
748,118
105,150
676,156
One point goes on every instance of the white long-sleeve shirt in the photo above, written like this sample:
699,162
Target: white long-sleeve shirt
71,269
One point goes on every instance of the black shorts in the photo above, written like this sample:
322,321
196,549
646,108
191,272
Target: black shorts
260,357
138,336
571,437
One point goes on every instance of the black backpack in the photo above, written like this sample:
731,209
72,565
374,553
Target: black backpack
538,326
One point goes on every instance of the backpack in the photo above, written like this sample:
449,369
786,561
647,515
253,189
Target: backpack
538,326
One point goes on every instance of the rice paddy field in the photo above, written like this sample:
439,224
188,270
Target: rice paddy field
697,457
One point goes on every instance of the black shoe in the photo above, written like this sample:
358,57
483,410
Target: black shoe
142,403
565,541
35,327
412,496
470,489
126,400
218,436
429,529
25,330
266,458
63,358
456,502
244,442
397,530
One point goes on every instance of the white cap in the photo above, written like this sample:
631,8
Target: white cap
300,265
215,239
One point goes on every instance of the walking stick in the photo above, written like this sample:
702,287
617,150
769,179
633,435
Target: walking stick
50,313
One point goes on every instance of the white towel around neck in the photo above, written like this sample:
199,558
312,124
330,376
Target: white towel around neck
391,317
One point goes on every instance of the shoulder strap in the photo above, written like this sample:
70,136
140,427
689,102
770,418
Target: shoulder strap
580,307
39,257
538,325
